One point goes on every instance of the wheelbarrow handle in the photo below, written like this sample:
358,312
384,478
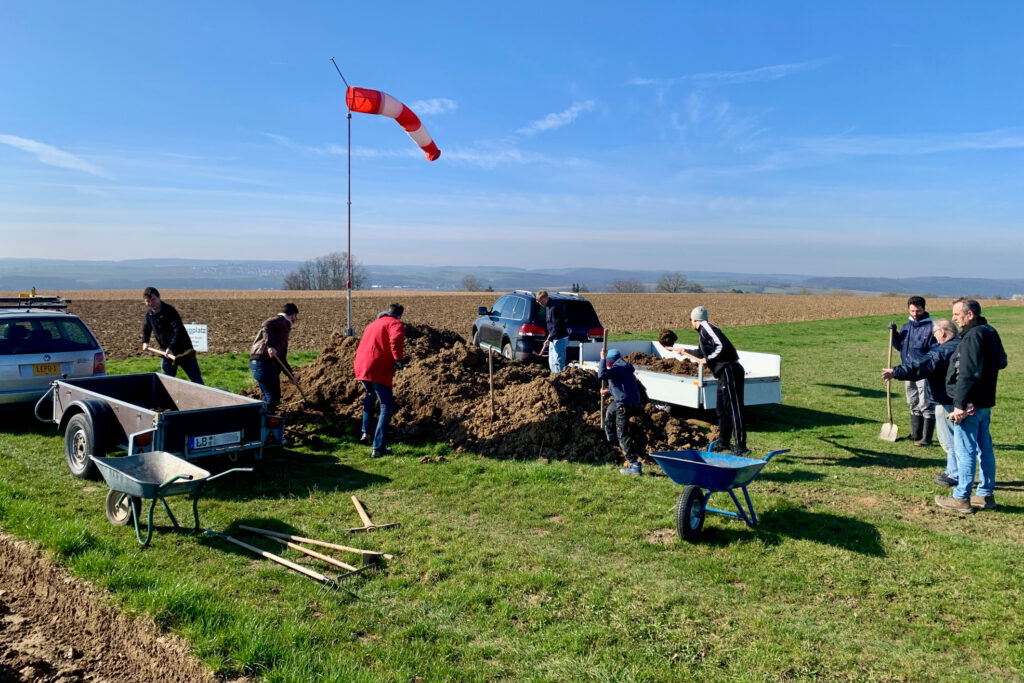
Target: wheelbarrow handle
774,453
233,469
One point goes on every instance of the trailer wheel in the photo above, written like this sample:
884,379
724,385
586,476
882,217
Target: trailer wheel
119,508
690,513
507,352
79,443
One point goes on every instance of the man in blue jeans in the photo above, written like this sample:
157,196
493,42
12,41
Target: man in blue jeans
558,334
269,354
381,351
971,382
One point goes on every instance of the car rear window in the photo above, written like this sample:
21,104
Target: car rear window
577,314
44,335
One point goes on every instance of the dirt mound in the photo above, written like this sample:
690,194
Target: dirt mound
443,395
668,365
54,627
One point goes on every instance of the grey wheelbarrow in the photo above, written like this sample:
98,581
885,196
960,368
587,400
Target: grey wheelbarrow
152,476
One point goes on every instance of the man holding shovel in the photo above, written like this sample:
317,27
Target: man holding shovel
914,340
269,354
163,322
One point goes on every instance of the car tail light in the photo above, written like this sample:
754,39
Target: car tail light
99,364
596,332
530,330
273,422
142,440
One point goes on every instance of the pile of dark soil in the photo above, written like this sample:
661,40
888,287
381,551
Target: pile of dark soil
442,395
667,338
671,366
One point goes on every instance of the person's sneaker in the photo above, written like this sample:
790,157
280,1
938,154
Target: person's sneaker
984,502
379,453
942,479
364,437
741,452
961,505
722,448
634,468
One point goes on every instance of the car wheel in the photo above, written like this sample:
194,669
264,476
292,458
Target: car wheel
476,337
507,352
79,444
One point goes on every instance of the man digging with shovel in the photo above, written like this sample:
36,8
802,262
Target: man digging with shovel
269,354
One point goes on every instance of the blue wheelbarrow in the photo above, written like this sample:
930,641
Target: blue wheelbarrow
699,470
151,476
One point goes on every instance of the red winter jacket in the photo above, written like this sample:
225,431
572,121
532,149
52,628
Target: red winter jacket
382,344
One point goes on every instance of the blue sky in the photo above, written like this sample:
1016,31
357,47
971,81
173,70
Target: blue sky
817,138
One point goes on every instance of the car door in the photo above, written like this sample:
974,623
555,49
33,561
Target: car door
491,330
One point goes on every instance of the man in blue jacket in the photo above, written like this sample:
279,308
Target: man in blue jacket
932,367
914,340
971,382
625,404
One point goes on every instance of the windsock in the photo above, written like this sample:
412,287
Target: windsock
368,101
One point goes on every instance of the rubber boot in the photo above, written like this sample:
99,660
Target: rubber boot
929,430
916,422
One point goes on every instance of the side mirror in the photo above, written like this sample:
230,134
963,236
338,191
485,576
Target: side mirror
482,310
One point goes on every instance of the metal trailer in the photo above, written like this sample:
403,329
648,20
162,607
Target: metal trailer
761,383
150,412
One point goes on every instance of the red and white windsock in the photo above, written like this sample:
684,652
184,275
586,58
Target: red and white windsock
368,101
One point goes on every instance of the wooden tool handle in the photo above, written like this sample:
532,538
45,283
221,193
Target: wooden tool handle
888,382
313,541
277,558
362,513
312,553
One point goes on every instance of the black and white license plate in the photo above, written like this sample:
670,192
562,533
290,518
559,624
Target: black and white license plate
198,443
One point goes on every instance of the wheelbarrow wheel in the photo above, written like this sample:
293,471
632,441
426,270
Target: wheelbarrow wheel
690,513
119,508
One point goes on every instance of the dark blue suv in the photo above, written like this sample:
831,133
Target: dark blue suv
515,325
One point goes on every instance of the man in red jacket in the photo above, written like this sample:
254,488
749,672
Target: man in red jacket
381,351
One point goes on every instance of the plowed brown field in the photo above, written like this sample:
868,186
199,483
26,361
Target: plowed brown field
235,316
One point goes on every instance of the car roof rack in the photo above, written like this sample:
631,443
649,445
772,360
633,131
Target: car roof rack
49,303
523,291
572,294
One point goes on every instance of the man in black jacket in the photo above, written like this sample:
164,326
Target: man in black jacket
932,367
971,383
164,323
717,354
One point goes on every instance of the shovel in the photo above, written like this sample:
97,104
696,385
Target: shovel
889,429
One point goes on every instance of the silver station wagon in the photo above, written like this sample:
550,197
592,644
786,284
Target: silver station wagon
41,342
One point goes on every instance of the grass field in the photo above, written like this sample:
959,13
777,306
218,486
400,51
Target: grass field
525,570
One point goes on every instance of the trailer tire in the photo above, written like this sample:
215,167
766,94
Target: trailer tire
79,443
119,507
690,514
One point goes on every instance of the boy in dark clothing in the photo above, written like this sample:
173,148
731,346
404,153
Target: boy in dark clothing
625,404
914,340
163,322
716,352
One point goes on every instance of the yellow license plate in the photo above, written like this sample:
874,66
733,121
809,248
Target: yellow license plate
46,369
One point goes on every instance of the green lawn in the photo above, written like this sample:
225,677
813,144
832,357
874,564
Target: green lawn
560,571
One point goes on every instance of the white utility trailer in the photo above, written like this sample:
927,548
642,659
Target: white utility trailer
761,381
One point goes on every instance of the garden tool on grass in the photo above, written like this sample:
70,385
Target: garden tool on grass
325,581
889,429
367,524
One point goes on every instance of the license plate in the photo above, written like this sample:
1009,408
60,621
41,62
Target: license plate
46,369
197,443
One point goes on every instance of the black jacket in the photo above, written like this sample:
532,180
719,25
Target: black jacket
975,365
166,326
931,366
555,318
715,348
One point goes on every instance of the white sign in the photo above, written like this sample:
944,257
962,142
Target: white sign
197,333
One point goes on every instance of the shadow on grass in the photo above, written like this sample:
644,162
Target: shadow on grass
790,477
849,390
783,418
776,526
865,457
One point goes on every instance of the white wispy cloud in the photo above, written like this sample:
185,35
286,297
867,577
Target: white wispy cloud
51,156
557,120
434,106
764,73
914,144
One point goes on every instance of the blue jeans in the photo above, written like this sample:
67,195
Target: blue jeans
268,377
377,393
556,354
944,430
973,444
187,363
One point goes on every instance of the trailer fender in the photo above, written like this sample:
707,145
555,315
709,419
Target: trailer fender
100,415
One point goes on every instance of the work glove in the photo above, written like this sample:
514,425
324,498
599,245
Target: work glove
892,326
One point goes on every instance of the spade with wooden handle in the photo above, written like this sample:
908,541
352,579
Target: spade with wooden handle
367,524
291,377
889,429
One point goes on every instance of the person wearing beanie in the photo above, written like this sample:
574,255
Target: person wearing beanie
622,385
716,353
914,341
